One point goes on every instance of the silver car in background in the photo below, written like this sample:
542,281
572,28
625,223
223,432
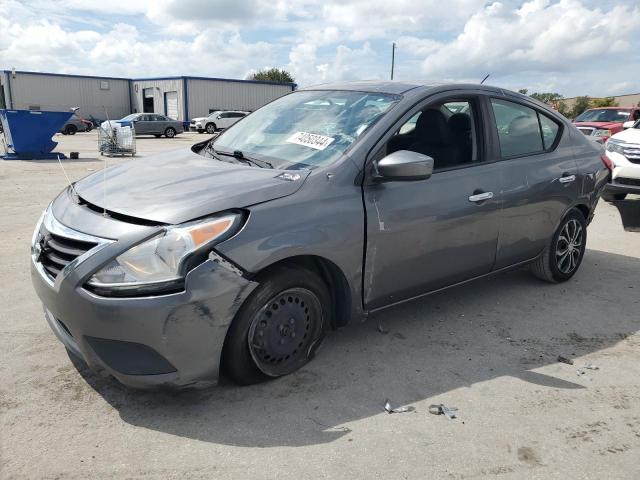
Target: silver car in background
148,124
218,120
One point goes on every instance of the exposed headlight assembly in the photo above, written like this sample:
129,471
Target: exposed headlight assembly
161,263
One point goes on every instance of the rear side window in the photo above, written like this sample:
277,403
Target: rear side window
549,131
518,128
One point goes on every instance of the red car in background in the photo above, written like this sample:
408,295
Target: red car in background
603,122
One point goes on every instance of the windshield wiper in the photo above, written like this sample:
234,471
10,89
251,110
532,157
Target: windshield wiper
238,155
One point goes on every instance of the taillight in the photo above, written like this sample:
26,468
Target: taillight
607,161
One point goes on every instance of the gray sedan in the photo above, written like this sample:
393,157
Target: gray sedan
237,256
148,124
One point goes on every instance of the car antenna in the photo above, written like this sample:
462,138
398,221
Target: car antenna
485,78
73,189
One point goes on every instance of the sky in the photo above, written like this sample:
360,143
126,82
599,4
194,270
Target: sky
573,47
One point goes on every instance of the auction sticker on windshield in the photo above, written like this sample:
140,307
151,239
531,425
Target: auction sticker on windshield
311,140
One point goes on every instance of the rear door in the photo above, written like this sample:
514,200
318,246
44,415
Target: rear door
539,177
428,234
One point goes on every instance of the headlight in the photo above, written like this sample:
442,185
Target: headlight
161,262
614,147
602,132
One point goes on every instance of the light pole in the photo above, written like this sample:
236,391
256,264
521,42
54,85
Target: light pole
393,57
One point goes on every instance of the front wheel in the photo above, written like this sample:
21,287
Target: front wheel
170,132
211,128
71,129
279,327
563,256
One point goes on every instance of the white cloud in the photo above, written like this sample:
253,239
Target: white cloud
566,45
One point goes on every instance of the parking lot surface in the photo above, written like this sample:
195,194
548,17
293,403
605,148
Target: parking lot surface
488,348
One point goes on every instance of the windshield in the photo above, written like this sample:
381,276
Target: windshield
604,115
130,117
305,129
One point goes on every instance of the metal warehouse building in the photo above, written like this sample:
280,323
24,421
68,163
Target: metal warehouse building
181,98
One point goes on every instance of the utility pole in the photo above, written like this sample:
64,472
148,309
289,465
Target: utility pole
393,57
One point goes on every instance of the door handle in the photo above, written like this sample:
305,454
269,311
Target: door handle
567,179
481,197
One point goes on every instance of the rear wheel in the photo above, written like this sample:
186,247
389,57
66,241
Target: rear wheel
211,128
610,197
170,132
70,129
279,327
563,256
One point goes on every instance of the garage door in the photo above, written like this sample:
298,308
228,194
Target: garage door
171,104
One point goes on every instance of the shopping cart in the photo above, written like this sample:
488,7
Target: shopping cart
117,141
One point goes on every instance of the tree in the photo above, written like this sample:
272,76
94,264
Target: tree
523,91
582,104
604,102
546,97
272,75
563,109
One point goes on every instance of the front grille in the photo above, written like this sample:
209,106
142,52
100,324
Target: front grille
628,181
632,152
58,251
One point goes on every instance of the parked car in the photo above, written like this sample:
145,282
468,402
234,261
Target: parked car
237,256
76,124
218,120
148,124
623,152
604,122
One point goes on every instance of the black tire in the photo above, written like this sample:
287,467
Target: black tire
210,128
157,135
287,339
88,128
170,132
612,197
70,130
563,256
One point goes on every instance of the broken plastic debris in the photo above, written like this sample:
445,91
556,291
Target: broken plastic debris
591,366
388,409
441,409
566,360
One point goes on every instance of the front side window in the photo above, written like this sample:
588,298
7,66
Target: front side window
446,132
305,129
518,128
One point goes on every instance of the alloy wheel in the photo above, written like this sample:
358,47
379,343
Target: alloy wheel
569,246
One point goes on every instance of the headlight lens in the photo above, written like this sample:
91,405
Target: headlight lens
614,147
160,259
602,132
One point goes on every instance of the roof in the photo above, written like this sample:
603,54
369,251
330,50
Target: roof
401,87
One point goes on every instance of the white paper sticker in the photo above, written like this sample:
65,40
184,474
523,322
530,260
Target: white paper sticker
311,140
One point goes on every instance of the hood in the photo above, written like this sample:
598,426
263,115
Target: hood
179,186
607,125
198,119
630,135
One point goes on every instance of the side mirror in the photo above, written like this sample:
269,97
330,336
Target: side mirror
628,124
404,165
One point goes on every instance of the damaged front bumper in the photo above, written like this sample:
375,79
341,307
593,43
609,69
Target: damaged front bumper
170,340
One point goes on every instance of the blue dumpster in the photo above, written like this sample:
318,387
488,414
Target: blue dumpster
28,133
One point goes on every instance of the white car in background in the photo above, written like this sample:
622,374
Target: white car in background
623,151
218,120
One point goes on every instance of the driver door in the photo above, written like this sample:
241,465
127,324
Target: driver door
428,234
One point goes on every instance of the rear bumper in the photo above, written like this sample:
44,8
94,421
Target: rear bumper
170,340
